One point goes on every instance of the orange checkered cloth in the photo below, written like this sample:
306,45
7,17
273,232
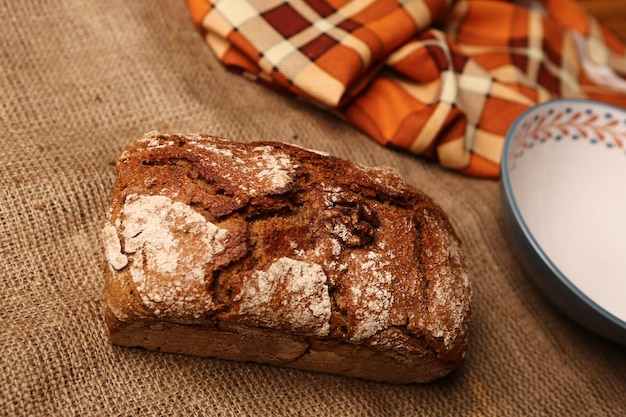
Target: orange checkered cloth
439,78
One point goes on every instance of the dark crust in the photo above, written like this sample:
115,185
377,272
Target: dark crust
262,228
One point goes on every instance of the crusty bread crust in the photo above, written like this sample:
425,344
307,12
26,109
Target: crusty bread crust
272,253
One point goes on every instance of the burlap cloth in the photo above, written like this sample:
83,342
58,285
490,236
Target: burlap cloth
78,82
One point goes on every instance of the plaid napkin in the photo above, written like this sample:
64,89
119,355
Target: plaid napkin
440,78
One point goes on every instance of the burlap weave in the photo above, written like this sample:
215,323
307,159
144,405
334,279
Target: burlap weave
78,82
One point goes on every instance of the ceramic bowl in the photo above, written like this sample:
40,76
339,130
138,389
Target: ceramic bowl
564,197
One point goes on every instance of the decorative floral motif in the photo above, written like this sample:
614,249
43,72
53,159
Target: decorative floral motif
596,125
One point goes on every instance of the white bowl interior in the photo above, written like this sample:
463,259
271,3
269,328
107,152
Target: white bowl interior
567,169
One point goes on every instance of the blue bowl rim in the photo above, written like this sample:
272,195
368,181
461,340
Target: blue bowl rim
517,215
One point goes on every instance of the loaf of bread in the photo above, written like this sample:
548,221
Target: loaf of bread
272,253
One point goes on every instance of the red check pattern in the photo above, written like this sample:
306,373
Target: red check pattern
440,78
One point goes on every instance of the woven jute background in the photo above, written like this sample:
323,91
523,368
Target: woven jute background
81,80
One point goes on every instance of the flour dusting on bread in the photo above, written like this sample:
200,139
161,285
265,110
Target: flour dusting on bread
169,245
289,294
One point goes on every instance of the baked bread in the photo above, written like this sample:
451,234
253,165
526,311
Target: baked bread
271,253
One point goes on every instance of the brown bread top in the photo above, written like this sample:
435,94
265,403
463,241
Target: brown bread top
214,234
